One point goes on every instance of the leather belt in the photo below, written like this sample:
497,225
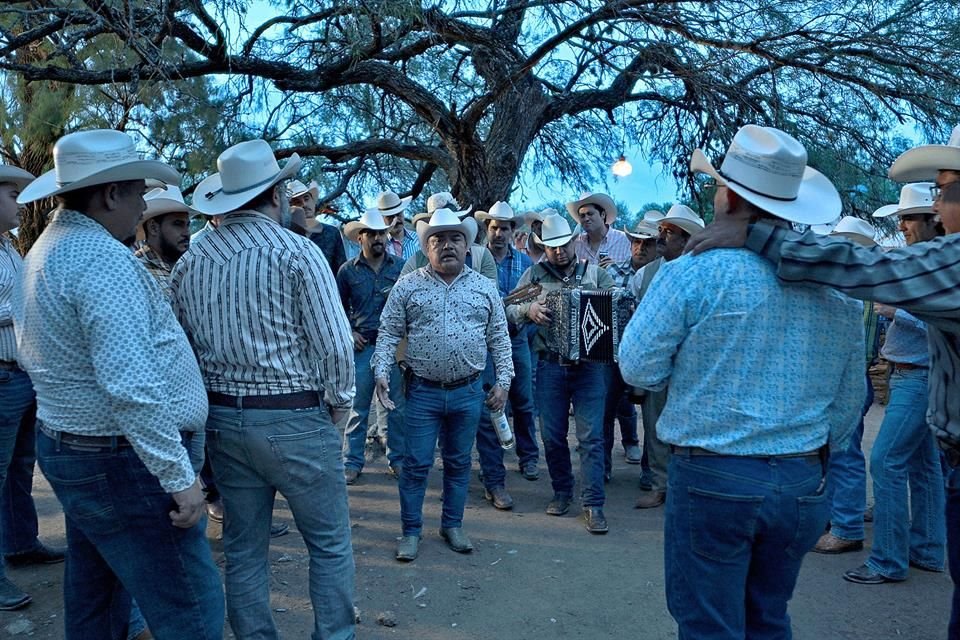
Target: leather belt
906,366
697,451
456,384
556,358
84,441
9,365
295,400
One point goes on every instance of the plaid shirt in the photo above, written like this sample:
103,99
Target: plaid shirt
622,272
156,266
510,269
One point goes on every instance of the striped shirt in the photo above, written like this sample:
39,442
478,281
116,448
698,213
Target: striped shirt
10,267
616,246
923,278
406,247
261,307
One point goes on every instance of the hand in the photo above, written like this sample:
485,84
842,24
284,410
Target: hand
727,231
496,398
190,506
383,394
359,342
605,262
884,310
538,313
520,240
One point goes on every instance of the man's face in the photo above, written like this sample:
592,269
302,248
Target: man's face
129,206
918,227
563,255
9,209
307,203
671,242
373,243
447,251
500,234
642,251
173,235
591,218
395,223
947,206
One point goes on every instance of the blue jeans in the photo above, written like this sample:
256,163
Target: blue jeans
735,534
585,385
847,483
953,547
355,440
489,451
618,408
521,402
907,529
18,456
255,453
430,411
121,543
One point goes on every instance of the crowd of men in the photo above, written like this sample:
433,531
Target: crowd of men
164,379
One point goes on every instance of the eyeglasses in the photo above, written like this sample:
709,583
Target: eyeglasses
937,190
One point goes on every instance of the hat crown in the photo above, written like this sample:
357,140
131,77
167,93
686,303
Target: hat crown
442,200
388,200
78,155
373,219
501,211
767,161
954,140
850,224
295,187
916,194
555,227
168,192
247,165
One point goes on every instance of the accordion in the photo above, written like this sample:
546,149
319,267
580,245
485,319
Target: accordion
587,325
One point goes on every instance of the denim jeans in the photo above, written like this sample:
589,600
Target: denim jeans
906,527
618,408
121,543
847,483
953,547
18,456
585,385
355,439
521,402
255,453
735,534
430,412
489,451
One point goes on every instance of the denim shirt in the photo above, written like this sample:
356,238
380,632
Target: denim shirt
510,270
364,291
906,341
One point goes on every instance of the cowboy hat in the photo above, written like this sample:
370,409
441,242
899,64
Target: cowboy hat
555,232
539,216
914,198
295,189
768,168
446,220
499,211
860,231
923,162
683,216
88,158
425,216
371,219
601,200
643,230
163,201
390,204
244,171
15,175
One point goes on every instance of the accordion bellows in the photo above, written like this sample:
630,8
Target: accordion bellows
587,325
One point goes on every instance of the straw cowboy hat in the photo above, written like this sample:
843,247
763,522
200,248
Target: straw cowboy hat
539,216
295,189
768,168
371,219
556,231
165,200
88,158
860,231
923,162
446,220
684,217
499,211
244,171
15,175
914,198
643,230
600,200
653,216
441,200
390,204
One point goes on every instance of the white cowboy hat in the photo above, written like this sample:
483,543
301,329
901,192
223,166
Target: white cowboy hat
539,216
914,198
923,162
425,216
643,230
555,232
768,168
371,219
165,200
88,158
244,171
446,220
390,204
15,175
652,216
601,200
442,200
684,217
860,231
295,189
499,211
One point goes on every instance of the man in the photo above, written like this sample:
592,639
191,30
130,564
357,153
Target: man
166,230
560,382
757,390
452,317
478,258
501,224
89,314
402,242
364,284
674,229
599,244
534,220
325,236
262,311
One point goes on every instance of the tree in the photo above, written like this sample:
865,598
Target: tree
472,93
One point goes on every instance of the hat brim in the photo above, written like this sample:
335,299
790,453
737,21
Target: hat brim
46,185
209,198
558,241
893,210
641,236
426,215
922,163
314,191
392,211
859,238
483,216
424,231
689,226
16,176
817,200
353,228
602,200
162,206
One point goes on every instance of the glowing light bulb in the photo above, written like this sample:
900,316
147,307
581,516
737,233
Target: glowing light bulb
622,168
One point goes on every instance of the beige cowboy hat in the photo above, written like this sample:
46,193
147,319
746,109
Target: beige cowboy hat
556,232
539,216
914,198
390,204
244,171
499,211
15,175
165,200
371,219
643,230
601,200
88,158
446,220
295,189
923,162
442,200
682,216
653,216
768,168
855,229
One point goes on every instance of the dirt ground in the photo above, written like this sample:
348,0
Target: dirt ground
532,576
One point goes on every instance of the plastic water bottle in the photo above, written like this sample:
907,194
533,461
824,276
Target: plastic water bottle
502,427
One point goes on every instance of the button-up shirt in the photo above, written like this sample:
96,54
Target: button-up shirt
616,245
755,368
622,272
510,270
103,349
404,248
923,278
155,265
10,266
450,327
262,310
364,291
906,341
328,239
